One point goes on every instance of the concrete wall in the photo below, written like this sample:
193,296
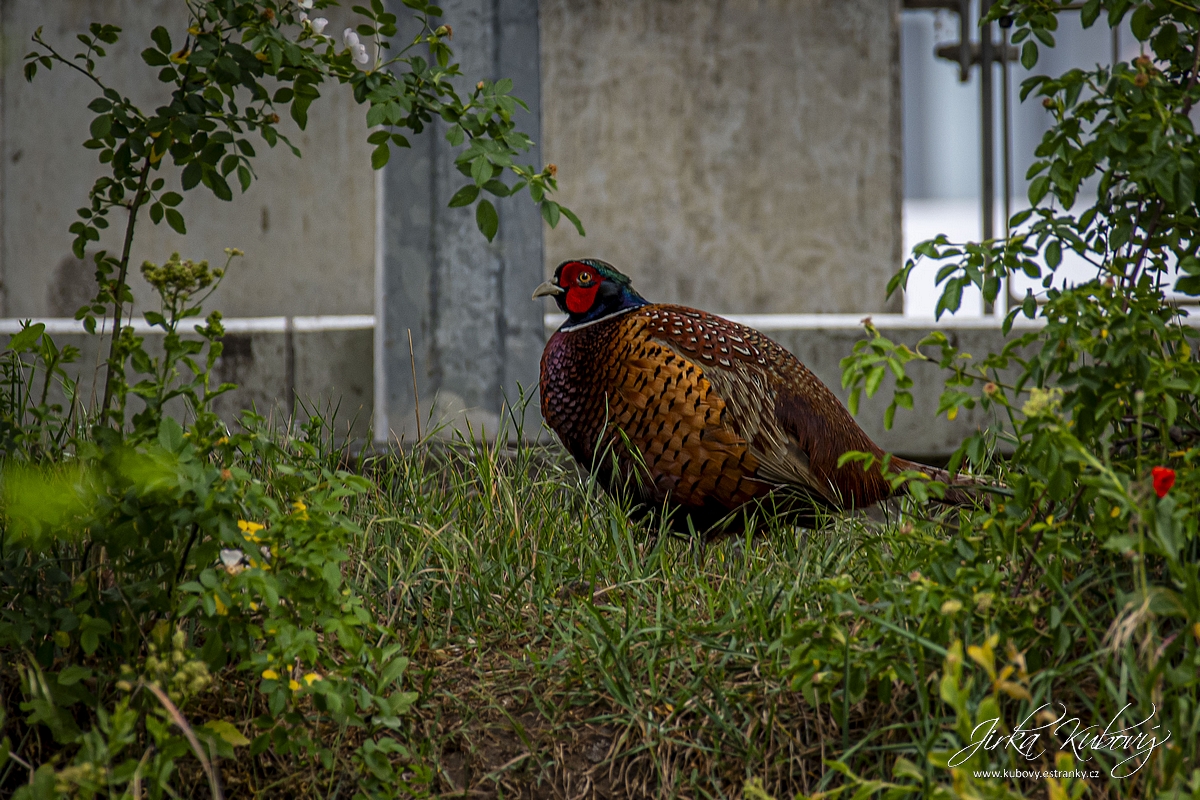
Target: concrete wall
736,155
741,156
307,225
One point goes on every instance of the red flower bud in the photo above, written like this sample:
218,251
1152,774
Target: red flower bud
1164,479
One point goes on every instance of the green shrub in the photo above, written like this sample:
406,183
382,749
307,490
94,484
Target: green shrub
1087,564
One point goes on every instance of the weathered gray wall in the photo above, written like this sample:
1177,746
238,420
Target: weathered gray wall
307,225
737,155
742,156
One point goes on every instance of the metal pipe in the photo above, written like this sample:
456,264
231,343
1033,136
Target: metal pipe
987,125
1006,136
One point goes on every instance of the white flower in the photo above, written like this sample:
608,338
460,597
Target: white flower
233,560
360,55
350,38
318,25
302,17
304,3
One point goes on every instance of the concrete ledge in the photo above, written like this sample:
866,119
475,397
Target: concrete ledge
329,364
328,371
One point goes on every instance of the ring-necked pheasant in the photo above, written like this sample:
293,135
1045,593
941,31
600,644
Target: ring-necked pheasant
693,411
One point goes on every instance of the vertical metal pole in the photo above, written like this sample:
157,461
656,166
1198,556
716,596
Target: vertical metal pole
1006,135
987,124
987,186
1006,132
964,40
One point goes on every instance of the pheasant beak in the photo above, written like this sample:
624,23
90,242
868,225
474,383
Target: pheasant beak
548,289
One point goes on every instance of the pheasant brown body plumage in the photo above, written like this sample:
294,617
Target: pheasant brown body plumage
687,409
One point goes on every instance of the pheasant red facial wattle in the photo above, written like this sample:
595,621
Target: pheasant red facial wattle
582,284
696,415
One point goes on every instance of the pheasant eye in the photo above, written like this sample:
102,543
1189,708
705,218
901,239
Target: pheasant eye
584,278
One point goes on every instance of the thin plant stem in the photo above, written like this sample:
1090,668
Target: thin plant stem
139,198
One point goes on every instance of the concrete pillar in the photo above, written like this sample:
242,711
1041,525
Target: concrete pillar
476,335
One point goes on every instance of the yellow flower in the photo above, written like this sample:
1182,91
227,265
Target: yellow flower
293,685
253,606
312,678
300,509
222,610
250,530
270,674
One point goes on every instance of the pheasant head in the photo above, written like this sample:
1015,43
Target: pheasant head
588,290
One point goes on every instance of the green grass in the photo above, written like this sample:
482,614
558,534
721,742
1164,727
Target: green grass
563,650
556,642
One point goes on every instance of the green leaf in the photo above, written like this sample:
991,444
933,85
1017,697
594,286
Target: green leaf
192,174
481,170
1038,189
391,673
175,220
156,213
227,732
1029,55
171,199
73,675
874,379
101,126
380,156
550,212
487,219
464,196
569,214
154,58
378,137
1189,284
1053,254
28,336
1089,13
219,187
1141,24
161,38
